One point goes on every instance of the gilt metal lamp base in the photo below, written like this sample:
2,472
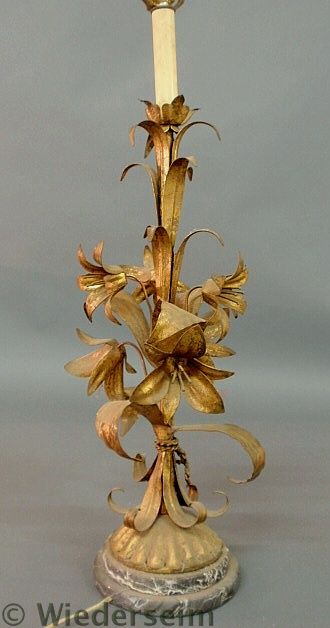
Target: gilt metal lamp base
208,580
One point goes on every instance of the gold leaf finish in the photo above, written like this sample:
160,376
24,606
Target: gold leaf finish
247,440
177,330
184,549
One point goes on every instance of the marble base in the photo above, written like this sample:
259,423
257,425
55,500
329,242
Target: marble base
174,594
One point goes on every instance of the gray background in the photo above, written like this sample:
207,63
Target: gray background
72,72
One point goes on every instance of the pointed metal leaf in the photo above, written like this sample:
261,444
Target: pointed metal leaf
245,438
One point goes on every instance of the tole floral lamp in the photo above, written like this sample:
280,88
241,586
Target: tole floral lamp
163,558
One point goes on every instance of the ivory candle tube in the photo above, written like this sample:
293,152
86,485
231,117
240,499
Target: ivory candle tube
164,43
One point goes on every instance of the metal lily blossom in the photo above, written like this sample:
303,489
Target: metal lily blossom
177,344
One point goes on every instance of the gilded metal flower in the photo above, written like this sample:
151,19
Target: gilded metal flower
177,346
103,282
224,296
104,365
225,291
170,115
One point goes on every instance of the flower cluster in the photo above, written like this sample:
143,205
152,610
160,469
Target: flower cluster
178,332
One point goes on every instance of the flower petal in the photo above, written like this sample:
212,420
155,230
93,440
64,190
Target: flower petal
170,402
97,252
152,111
113,284
218,351
191,343
239,277
83,367
114,383
103,367
89,340
234,300
93,301
153,388
200,392
172,324
212,372
84,262
92,281
217,324
155,355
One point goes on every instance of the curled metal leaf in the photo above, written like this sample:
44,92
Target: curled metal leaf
245,438
181,134
150,506
120,510
221,511
140,471
161,145
107,426
153,178
178,259
148,147
181,517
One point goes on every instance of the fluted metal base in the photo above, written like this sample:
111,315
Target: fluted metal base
176,594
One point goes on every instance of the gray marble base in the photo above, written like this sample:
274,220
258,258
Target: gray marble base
178,594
